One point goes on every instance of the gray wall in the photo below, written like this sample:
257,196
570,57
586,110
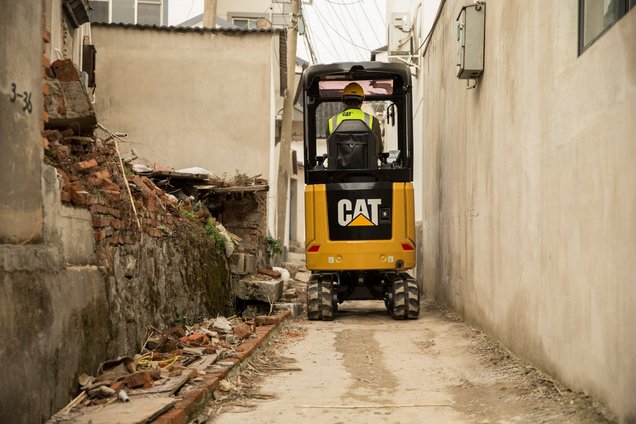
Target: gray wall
189,98
529,207
21,158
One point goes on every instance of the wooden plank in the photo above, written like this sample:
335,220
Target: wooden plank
137,411
170,387
240,189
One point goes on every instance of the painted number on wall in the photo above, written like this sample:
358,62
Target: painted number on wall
25,98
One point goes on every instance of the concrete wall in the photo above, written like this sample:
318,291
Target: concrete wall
188,98
63,310
529,224
20,119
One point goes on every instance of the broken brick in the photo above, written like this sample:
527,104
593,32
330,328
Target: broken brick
241,330
195,339
100,235
86,165
154,232
117,224
101,221
266,320
270,272
106,210
138,379
116,386
65,70
82,198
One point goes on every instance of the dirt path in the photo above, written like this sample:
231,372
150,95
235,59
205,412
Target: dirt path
433,370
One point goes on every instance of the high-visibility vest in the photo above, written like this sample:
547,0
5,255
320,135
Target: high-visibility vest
350,114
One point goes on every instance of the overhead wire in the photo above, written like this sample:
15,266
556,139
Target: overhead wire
379,12
349,41
357,26
370,25
430,32
321,21
325,22
332,12
308,37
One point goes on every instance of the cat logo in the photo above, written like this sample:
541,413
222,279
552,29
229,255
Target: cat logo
363,213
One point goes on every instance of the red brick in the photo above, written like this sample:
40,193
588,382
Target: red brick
117,224
104,174
112,195
101,221
106,210
45,89
45,117
241,330
65,196
100,235
195,339
52,135
138,379
86,165
154,232
267,320
116,386
64,70
46,36
82,198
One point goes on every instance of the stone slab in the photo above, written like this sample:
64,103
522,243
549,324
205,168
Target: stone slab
259,289
297,309
138,410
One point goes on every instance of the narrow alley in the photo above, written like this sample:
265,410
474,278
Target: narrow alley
317,211
366,368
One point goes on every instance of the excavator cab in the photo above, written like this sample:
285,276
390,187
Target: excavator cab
359,207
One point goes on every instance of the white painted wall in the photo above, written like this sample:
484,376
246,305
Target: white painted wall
189,98
529,207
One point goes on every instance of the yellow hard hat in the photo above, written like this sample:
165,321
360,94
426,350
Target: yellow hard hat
353,91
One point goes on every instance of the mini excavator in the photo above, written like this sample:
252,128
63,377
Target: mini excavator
359,206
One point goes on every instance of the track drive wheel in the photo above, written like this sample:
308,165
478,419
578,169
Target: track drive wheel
320,298
313,295
406,298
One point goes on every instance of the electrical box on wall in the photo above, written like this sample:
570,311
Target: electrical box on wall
400,34
470,41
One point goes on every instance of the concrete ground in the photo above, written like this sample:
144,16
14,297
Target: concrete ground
366,368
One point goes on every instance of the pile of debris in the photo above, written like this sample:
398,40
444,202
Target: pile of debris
168,360
124,199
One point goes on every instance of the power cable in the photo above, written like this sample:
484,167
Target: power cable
350,40
370,25
430,32
380,13
334,49
308,37
333,12
358,26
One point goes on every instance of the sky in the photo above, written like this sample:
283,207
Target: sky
340,30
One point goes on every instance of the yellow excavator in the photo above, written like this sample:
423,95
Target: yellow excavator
359,206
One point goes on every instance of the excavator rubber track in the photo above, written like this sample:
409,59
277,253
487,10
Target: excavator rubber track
404,297
321,298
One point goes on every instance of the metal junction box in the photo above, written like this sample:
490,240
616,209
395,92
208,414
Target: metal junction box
400,34
470,41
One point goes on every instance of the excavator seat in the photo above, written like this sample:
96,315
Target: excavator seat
352,145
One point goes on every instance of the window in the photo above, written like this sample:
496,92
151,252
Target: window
596,16
149,12
141,12
245,23
98,10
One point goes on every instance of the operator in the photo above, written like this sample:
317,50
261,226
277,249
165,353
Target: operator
352,97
